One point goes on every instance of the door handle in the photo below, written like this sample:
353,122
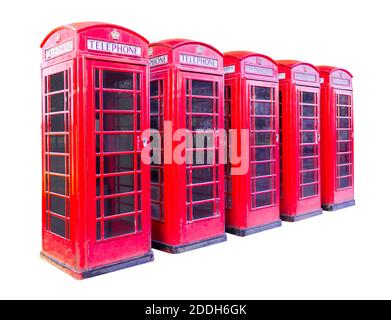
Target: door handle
277,138
317,137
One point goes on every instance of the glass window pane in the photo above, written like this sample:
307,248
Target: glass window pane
310,163
155,106
57,226
309,97
97,186
57,123
117,142
202,88
117,80
203,140
97,143
118,163
343,123
344,147
155,122
118,122
308,177
154,88
202,175
57,184
308,124
202,157
309,190
97,122
57,164
308,110
202,122
119,226
344,182
202,210
57,102
56,81
117,101
155,193
98,213
98,231
57,144
263,184
97,100
118,205
262,93
263,123
227,92
138,82
308,137
263,108
263,169
343,99
263,199
263,138
118,184
155,177
57,205
343,111
155,211
96,78
262,154
344,171
140,204
343,134
138,101
202,105
202,193
308,150
343,158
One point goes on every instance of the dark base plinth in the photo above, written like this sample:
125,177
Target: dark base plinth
252,230
338,206
300,217
189,246
99,270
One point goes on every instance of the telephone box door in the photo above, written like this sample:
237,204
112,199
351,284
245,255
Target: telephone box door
202,110
344,145
264,151
309,148
116,115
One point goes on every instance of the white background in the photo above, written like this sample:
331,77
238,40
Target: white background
346,254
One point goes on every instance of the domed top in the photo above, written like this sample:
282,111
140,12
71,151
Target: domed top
331,69
293,63
78,27
241,55
176,43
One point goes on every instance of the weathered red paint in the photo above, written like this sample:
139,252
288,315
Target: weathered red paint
300,140
337,160
71,239
251,103
177,224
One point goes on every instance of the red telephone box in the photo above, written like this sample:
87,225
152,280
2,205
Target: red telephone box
96,206
186,92
251,104
299,140
337,162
